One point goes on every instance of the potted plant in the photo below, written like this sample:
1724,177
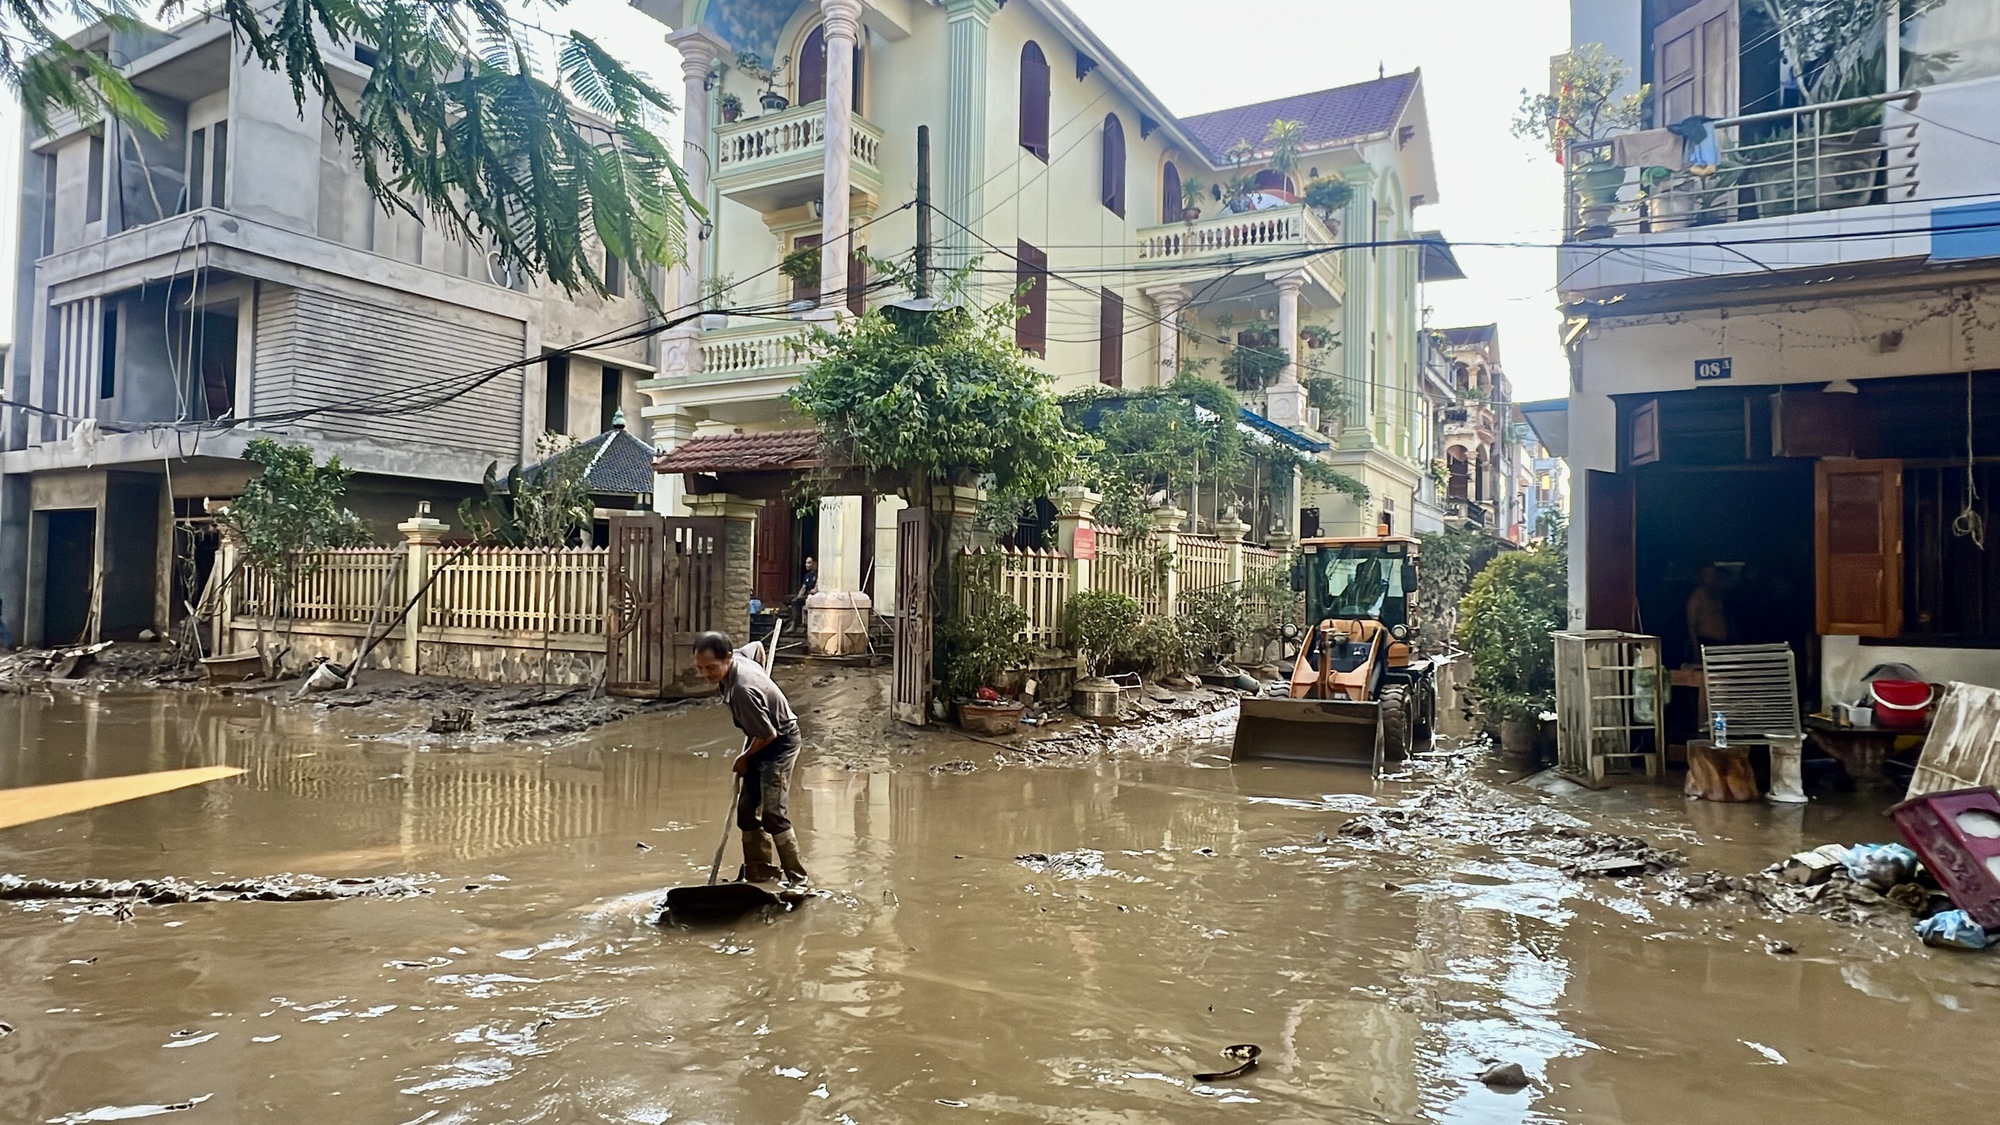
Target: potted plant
1101,624
1284,137
978,647
1242,182
731,107
715,297
1328,196
1585,109
1505,622
1191,193
752,64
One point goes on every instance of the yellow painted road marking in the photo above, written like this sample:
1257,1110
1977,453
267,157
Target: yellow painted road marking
39,802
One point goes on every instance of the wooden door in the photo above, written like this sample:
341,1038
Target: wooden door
911,699
1611,555
1694,63
1858,536
634,587
772,583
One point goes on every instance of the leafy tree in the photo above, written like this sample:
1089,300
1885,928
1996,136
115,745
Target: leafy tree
456,121
286,514
546,505
1100,623
921,401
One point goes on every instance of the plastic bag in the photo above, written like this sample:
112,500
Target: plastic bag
1881,866
1953,929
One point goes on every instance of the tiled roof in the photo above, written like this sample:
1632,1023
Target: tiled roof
1330,116
771,450
616,464
1472,336
1438,263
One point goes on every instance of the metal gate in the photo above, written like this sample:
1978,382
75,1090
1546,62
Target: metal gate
663,580
912,699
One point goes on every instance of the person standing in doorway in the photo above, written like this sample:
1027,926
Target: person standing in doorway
1708,612
770,750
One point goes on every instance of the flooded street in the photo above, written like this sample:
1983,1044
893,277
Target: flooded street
1183,905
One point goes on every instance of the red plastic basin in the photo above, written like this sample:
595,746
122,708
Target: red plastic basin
1901,704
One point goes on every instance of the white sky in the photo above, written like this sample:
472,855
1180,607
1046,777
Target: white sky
1197,55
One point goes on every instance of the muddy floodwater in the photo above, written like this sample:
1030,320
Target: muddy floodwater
1184,905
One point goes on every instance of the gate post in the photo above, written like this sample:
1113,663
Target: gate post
1230,530
423,535
1166,536
1076,534
739,562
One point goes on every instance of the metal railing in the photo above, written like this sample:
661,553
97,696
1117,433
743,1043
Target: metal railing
1784,162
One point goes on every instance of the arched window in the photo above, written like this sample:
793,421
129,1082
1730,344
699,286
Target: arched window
1035,101
1170,193
1114,166
1272,180
812,69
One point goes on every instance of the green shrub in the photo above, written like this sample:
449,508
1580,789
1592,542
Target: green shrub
1100,623
980,645
1505,622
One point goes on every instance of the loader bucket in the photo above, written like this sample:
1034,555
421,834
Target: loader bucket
1309,730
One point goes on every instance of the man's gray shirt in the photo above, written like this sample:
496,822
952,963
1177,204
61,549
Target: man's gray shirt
756,705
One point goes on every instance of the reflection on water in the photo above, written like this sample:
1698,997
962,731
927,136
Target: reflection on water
938,977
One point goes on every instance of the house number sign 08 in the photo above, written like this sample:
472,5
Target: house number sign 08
1709,370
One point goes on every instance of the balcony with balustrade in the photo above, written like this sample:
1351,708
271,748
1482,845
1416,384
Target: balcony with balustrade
778,160
1281,236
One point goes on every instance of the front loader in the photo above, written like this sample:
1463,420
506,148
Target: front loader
1359,694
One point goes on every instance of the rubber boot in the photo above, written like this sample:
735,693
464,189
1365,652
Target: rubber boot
760,858
788,856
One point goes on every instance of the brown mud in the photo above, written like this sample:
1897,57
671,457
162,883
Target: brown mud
1005,942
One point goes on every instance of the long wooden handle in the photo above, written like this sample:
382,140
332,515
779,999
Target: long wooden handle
722,846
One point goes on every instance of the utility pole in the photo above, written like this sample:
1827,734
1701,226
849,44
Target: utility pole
923,211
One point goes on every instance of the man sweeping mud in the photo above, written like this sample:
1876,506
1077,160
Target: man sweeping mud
771,749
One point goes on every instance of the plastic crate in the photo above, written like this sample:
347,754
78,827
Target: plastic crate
1957,835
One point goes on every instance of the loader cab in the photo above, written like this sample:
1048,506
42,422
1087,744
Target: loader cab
1361,579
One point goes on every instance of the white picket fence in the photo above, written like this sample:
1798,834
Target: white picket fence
520,590
1123,568
1204,566
343,586
1038,582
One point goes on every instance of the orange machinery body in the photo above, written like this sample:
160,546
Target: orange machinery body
1362,647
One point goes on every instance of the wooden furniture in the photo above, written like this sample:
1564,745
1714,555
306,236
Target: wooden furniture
1611,703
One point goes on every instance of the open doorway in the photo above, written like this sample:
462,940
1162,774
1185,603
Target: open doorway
67,579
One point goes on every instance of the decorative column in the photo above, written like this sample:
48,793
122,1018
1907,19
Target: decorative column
1285,401
739,563
964,198
1166,537
843,31
1169,300
1358,305
423,535
700,51
1076,534
671,426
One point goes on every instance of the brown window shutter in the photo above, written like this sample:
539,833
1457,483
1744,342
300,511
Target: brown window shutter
1114,166
1111,341
1858,533
1170,193
857,284
1031,278
1035,101
804,289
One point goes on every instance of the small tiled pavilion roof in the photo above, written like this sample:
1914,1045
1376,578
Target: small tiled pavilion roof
770,451
1345,113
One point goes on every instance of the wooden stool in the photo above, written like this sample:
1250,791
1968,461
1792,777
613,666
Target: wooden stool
1720,773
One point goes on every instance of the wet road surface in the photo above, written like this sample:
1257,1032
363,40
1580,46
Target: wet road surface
1186,905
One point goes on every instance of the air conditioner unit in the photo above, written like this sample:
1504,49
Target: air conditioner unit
1312,418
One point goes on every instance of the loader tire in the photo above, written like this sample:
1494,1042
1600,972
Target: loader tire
1395,723
1424,710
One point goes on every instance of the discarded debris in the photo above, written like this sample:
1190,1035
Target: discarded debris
1079,864
453,719
1953,929
1881,866
162,892
1245,1054
956,765
1505,1076
1816,866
